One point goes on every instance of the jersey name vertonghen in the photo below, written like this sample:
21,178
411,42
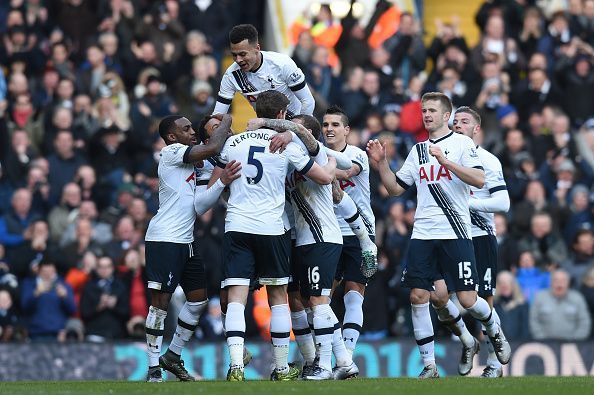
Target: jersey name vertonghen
313,208
442,198
257,199
174,221
277,72
358,189
483,223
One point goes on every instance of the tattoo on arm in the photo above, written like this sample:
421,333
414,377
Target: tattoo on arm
284,125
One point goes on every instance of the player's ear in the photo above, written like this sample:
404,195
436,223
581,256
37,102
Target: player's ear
172,138
258,46
347,129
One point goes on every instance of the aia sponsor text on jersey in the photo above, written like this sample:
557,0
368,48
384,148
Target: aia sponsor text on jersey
434,173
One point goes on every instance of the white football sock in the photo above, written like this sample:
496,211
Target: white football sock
324,331
186,325
280,332
154,326
353,319
450,316
303,336
423,328
235,324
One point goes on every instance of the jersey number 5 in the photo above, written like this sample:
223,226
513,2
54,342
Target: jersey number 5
255,162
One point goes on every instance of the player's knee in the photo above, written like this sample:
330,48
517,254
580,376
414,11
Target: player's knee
467,299
160,299
419,296
277,294
439,299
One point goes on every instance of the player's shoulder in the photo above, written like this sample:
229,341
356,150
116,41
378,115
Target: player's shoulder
232,67
276,58
173,148
458,137
488,158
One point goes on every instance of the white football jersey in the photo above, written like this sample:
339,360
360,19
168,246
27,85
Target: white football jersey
203,172
277,72
442,198
257,199
358,189
315,221
174,221
484,223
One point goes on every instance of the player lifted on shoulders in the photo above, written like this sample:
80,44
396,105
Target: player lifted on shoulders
492,197
255,243
442,168
256,71
356,247
171,254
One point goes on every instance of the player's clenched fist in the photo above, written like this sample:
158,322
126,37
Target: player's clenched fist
231,172
436,151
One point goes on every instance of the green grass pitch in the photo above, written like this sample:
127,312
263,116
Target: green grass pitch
447,386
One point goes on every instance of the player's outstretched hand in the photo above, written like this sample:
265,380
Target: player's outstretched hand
255,123
280,141
376,152
436,151
231,172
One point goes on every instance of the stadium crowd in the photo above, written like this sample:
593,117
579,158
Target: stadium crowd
84,84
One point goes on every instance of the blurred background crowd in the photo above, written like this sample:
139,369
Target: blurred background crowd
83,85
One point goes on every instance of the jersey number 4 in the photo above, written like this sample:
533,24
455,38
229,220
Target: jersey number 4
255,162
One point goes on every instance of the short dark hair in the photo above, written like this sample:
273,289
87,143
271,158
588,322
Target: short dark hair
202,134
243,32
445,101
269,103
310,123
166,125
335,110
467,110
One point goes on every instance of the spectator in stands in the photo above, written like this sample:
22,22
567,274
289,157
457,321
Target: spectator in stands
92,71
25,258
560,313
546,245
578,213
133,274
8,317
511,306
407,51
24,116
582,256
530,278
60,217
535,200
101,232
78,276
14,225
47,302
210,325
507,245
21,153
6,191
104,305
83,243
587,289
125,236
531,31
84,124
64,164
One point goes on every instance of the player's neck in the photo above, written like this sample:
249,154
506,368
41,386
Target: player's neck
257,65
339,146
437,134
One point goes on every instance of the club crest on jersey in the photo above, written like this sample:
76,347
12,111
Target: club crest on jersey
433,175
271,82
473,153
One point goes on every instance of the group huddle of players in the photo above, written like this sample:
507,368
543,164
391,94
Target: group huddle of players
299,221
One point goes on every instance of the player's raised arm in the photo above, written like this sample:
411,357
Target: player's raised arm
377,156
283,125
215,142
